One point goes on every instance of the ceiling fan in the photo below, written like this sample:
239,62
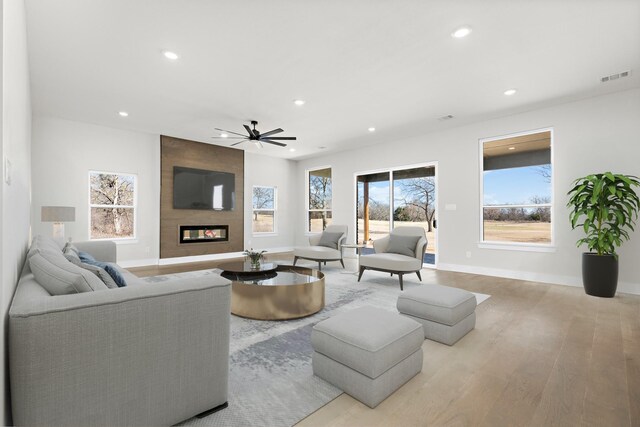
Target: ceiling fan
257,137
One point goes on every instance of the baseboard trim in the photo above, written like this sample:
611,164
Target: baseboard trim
138,262
555,279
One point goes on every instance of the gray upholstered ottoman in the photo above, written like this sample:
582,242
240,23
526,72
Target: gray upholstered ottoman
367,352
447,314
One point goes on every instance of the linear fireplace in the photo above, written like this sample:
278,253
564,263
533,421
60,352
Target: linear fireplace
203,233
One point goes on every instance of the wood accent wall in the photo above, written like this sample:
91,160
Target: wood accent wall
181,152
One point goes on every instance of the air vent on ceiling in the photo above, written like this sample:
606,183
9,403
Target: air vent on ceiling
615,76
447,117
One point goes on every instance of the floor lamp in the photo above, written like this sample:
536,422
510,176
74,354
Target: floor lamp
58,215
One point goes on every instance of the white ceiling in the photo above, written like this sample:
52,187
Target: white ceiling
359,63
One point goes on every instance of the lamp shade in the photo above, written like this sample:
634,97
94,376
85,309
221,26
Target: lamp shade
58,214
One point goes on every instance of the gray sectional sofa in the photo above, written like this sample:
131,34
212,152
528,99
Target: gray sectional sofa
144,354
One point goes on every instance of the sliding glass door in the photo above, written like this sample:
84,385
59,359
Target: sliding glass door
397,198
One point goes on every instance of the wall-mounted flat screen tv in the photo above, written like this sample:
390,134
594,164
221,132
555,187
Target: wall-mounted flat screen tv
203,189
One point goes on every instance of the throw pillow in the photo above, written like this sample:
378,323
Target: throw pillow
58,279
73,257
102,275
403,245
110,268
330,239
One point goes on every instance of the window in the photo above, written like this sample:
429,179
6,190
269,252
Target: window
264,209
516,189
112,205
319,194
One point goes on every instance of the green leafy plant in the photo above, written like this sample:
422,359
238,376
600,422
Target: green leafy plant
254,256
606,207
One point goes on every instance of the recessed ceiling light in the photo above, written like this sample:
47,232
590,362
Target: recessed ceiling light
170,55
223,135
510,92
299,102
371,129
123,113
461,32
292,150
512,148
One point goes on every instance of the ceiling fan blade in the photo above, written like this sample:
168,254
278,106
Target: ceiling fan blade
228,131
283,138
268,141
272,132
251,133
239,142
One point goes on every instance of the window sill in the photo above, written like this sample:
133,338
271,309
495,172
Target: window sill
523,247
127,241
264,234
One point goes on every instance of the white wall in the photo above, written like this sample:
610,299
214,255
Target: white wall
64,151
591,135
16,148
273,172
63,154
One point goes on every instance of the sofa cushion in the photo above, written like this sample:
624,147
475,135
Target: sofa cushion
330,239
403,245
41,244
391,262
317,253
59,277
110,268
102,275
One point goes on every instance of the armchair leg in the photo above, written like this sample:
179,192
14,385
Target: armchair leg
400,278
342,262
361,271
295,259
419,277
319,265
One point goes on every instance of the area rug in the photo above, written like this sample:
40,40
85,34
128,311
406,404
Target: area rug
271,381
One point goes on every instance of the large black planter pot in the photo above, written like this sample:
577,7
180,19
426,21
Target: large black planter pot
599,274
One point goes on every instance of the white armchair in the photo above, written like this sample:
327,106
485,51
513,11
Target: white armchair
396,253
321,248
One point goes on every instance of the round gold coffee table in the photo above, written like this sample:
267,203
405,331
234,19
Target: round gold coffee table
292,292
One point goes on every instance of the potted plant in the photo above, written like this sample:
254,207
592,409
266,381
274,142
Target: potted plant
605,206
254,257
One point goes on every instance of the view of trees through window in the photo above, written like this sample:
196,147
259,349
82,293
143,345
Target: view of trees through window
516,196
320,195
112,205
396,198
264,209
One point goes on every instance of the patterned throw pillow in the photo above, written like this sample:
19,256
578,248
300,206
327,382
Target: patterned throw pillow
102,274
110,268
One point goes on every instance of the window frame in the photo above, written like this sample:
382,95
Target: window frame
307,231
274,210
517,246
131,239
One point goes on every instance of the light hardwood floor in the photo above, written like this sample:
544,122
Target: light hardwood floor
540,355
